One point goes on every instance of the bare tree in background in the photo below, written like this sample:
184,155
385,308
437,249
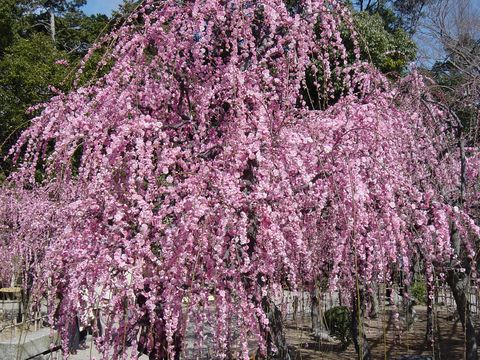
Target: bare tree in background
454,27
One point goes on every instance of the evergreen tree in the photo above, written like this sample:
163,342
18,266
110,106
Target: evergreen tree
37,53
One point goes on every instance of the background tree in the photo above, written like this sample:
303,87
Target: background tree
45,12
389,49
28,71
8,14
32,64
404,14
454,27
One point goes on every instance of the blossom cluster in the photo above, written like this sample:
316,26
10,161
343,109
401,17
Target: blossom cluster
198,169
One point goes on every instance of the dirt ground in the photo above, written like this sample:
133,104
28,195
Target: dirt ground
387,338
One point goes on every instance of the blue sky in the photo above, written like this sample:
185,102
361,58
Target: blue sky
101,6
106,6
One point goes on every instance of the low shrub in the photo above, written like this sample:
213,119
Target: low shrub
338,320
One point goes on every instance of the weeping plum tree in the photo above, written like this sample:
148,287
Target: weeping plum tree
195,180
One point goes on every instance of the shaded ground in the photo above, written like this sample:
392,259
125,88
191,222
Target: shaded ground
387,338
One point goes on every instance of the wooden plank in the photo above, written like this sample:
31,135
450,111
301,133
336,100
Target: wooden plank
12,290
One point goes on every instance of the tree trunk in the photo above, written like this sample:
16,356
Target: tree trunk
295,308
320,330
316,311
389,294
459,283
407,306
153,331
374,302
429,330
53,32
357,329
277,347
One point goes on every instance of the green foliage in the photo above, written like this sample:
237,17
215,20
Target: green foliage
398,14
28,57
7,15
389,50
77,32
419,291
74,31
26,70
339,321
126,8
